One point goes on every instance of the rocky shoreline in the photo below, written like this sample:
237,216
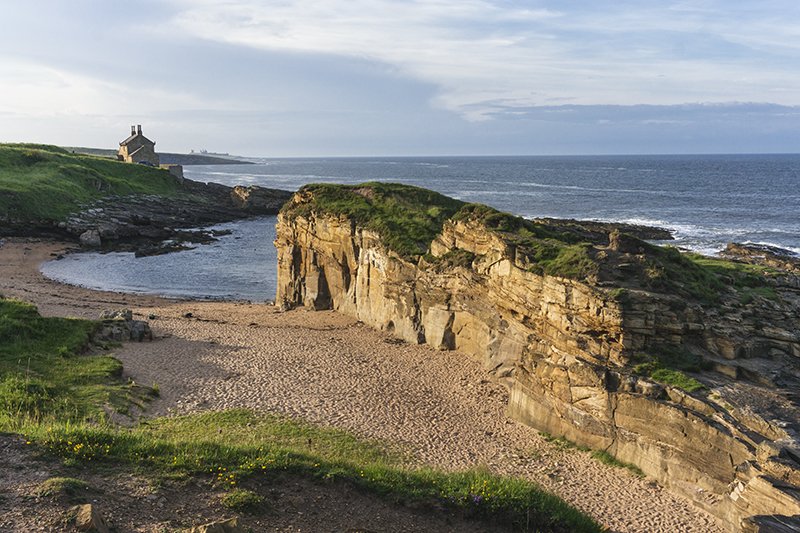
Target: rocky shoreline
152,224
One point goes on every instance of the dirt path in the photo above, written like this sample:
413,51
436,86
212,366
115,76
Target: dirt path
329,369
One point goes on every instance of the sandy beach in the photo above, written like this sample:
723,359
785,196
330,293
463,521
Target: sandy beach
329,369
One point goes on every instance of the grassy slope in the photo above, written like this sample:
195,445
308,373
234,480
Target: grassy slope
407,218
57,399
39,182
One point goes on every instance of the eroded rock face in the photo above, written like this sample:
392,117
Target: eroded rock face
565,349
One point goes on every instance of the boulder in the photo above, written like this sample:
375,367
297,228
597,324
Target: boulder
90,238
119,325
88,518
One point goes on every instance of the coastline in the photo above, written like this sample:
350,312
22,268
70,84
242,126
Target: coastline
439,405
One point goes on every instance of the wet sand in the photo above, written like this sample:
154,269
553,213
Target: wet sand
330,369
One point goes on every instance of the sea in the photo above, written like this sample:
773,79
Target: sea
705,200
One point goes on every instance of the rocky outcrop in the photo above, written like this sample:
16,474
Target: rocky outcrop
142,221
575,352
118,325
117,220
762,254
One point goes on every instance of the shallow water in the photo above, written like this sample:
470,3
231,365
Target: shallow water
239,266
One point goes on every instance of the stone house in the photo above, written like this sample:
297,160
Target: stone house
138,149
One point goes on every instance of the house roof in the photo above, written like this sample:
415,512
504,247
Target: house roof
135,136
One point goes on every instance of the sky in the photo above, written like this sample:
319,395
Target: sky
290,78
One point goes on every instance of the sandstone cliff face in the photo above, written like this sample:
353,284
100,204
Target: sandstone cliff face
565,349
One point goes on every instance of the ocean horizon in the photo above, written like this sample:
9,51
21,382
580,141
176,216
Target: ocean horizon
706,201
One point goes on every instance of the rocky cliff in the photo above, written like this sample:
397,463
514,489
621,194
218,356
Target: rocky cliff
687,367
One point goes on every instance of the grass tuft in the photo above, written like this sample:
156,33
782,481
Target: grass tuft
61,486
243,501
608,459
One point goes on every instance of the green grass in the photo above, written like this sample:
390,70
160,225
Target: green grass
407,218
41,182
608,459
545,250
562,443
42,375
668,365
55,397
243,500
232,446
676,378
61,486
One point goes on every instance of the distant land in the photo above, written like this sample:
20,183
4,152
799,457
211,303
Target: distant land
168,158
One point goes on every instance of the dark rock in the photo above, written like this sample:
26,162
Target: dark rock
626,244
140,331
598,232
771,524
131,222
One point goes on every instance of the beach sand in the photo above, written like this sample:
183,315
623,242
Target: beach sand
329,369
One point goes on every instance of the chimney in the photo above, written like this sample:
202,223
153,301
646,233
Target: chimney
139,129
133,129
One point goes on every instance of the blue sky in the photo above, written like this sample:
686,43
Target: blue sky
423,77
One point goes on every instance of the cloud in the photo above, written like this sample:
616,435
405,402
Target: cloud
475,51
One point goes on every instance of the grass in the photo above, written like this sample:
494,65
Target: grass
562,443
406,218
61,486
608,459
41,182
676,378
544,249
668,365
243,500
58,398
41,373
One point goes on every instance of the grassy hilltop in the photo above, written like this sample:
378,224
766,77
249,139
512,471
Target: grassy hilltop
46,183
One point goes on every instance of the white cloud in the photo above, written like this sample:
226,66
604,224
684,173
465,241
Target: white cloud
40,90
478,51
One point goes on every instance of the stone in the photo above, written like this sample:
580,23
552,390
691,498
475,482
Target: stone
90,239
119,325
88,518
230,525
117,314
140,331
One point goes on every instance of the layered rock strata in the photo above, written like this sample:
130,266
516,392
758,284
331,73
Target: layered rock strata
568,350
